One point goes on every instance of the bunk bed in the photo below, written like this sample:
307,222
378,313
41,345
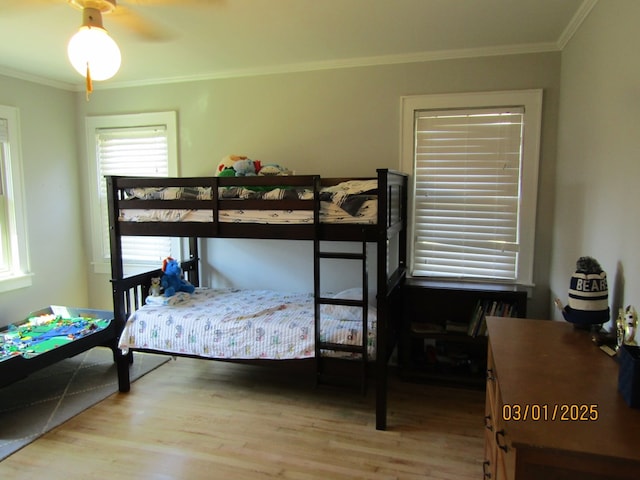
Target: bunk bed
295,207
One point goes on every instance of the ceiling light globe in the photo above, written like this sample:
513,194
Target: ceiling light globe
92,47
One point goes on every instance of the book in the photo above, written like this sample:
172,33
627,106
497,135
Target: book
476,319
420,327
456,327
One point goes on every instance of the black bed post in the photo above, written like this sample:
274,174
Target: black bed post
382,304
404,209
194,257
392,221
117,273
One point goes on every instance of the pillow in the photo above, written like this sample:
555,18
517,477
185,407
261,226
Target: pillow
177,298
344,312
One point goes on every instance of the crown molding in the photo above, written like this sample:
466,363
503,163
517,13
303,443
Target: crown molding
576,21
346,63
49,82
419,57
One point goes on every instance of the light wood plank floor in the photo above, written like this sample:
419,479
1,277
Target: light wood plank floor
195,419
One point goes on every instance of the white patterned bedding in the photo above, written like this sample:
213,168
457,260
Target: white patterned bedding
329,213
348,202
244,324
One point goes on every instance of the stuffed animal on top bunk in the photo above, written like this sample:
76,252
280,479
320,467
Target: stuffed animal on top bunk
226,165
237,166
273,169
171,280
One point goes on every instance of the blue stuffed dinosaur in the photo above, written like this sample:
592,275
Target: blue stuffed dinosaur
172,280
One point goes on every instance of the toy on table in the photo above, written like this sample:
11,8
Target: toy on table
626,326
42,333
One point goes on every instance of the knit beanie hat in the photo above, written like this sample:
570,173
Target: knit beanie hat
588,294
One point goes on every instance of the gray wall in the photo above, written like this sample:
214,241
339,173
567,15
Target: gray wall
335,122
52,191
346,122
599,153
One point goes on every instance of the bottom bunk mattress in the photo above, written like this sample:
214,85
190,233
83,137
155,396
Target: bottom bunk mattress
243,324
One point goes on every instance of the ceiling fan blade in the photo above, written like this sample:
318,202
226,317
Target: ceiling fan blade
7,6
138,24
150,3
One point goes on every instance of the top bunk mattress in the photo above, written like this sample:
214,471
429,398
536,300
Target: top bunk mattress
350,202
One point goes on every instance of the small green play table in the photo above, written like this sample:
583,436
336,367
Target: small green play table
50,335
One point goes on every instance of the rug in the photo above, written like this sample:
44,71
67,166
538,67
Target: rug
49,397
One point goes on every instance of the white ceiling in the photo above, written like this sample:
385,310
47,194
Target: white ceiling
224,38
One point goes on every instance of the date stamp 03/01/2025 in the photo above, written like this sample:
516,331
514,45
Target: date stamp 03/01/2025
555,412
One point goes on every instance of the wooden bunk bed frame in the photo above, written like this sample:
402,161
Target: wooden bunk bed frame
130,292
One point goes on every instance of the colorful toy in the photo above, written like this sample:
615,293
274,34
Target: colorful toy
238,166
155,289
627,324
273,169
242,166
42,333
172,280
246,167
227,164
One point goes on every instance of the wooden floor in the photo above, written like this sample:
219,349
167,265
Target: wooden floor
195,419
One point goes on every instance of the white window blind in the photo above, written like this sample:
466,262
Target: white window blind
467,193
132,151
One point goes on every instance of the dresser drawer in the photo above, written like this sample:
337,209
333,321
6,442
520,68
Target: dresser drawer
499,463
490,448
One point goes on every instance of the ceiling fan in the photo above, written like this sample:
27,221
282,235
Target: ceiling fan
102,61
128,17
92,52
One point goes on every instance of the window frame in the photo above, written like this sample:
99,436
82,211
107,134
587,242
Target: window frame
14,224
100,262
531,100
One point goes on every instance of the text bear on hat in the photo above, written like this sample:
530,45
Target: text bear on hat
588,294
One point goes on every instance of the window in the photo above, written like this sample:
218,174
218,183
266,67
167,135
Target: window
136,145
474,161
14,265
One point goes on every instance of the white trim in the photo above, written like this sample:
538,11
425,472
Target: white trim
19,276
344,63
15,282
39,79
92,124
532,101
576,21
377,60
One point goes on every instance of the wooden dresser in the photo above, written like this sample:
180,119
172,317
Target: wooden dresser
553,409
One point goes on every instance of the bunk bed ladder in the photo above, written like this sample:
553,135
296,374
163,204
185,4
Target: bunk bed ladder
358,350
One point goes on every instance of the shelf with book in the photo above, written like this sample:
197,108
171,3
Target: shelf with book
443,337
